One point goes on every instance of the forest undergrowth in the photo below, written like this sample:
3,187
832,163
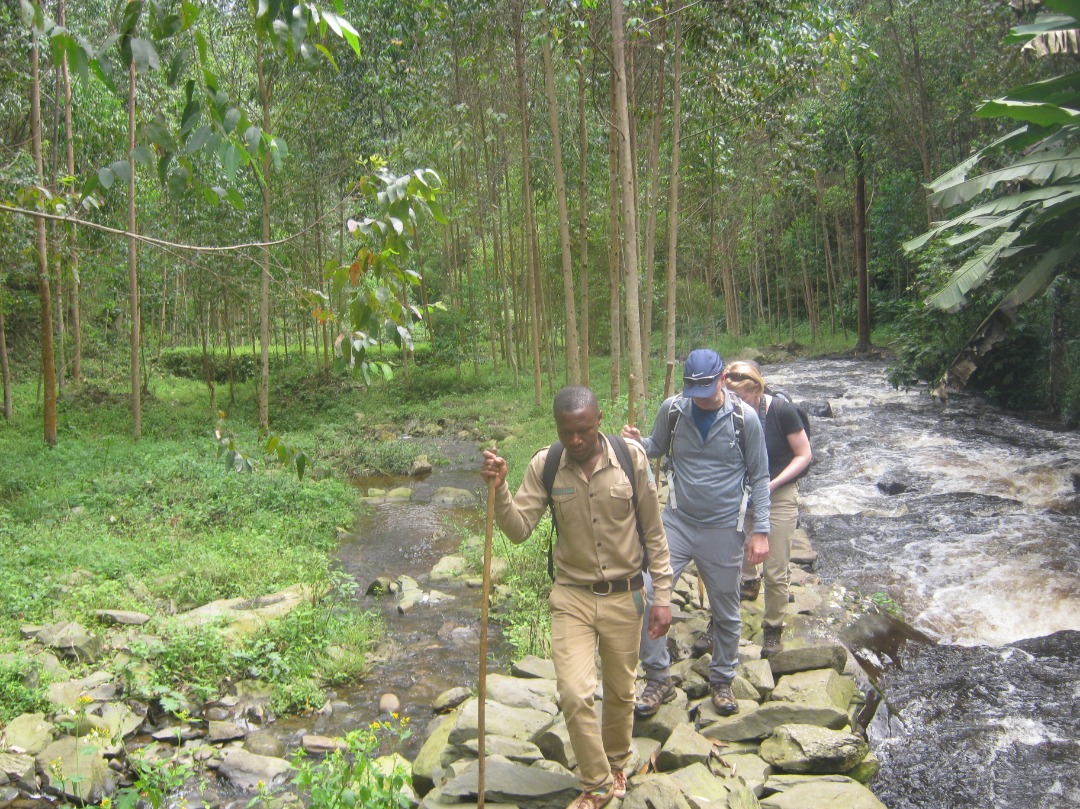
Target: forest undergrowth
160,526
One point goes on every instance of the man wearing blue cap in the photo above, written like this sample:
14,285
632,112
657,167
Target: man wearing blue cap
718,462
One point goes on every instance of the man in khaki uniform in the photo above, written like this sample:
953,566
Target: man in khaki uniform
597,598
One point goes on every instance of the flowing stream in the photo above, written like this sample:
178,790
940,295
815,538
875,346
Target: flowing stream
435,646
965,517
978,545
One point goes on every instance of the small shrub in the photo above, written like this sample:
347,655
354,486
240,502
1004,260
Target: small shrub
20,689
352,777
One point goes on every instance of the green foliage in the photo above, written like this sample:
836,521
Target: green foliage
190,363
885,602
1016,229
352,777
156,780
378,281
21,689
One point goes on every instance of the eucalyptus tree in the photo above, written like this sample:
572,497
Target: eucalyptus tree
673,188
35,18
573,364
621,126
287,27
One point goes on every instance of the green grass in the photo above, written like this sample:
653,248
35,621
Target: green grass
158,525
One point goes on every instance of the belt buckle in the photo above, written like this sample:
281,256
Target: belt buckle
604,592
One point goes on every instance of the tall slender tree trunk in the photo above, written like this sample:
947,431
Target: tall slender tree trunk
614,254
651,203
626,181
133,264
673,190
264,287
526,193
862,341
5,369
48,362
573,347
583,224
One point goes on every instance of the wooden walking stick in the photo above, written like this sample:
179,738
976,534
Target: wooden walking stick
630,406
481,735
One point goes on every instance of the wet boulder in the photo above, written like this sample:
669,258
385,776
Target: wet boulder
246,770
894,484
533,666
834,791
29,733
518,692
122,617
662,723
757,722
806,657
72,640
555,744
19,769
428,769
221,732
805,748
655,790
450,699
448,495
449,567
759,674
689,680
517,723
822,688
75,771
512,749
515,784
701,787
752,768
685,746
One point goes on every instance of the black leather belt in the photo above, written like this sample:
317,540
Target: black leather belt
605,588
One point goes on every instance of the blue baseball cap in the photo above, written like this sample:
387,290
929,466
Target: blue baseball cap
701,373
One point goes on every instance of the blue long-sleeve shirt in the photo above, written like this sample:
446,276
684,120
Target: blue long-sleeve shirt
709,473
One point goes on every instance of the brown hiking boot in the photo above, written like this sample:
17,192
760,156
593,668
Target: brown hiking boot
749,589
618,788
592,800
771,644
656,693
722,699
703,645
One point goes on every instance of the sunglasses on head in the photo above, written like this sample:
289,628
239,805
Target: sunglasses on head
700,380
737,377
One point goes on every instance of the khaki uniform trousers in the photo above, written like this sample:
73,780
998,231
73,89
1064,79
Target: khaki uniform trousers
581,622
783,517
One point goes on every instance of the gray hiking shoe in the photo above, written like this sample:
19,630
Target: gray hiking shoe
723,700
771,643
656,693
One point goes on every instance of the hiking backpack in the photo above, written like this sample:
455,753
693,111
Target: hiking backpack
551,466
786,399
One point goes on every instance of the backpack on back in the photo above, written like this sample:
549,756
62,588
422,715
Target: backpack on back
783,397
551,466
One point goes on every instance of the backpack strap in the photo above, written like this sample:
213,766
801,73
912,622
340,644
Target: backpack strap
618,443
551,467
674,415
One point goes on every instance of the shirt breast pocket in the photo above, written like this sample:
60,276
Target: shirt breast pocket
622,495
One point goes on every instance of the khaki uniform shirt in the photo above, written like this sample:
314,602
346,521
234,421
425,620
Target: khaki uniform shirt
598,538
